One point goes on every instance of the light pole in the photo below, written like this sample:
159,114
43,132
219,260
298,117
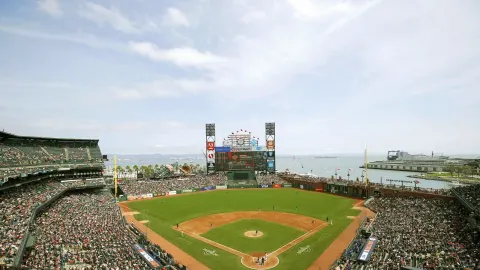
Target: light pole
336,170
348,174
362,175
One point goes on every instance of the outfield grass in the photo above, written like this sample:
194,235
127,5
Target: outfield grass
165,212
274,235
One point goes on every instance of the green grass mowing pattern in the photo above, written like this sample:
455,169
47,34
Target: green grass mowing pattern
232,235
165,212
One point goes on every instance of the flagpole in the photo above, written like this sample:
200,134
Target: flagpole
365,165
293,165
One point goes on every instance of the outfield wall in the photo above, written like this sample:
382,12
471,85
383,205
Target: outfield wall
361,191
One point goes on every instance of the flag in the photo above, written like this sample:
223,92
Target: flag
417,182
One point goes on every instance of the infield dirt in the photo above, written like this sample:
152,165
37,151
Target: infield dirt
203,224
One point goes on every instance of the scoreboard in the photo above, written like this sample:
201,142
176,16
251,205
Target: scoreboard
248,160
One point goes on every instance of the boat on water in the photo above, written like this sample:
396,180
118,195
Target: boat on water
307,174
397,155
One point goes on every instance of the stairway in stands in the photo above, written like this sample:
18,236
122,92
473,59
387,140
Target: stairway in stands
88,154
46,152
66,153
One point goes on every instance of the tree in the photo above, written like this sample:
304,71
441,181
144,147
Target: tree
467,170
129,169
119,169
122,172
450,168
135,168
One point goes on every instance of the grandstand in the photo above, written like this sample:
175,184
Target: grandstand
23,156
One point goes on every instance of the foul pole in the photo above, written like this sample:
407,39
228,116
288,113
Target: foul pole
115,174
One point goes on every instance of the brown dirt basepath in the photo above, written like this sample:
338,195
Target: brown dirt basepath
178,254
203,224
334,251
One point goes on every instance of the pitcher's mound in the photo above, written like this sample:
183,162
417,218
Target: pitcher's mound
253,234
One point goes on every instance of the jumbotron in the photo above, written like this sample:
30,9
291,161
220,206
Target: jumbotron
61,208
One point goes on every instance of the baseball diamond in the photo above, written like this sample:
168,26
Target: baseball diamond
217,221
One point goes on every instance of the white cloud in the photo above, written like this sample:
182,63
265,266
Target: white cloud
175,17
113,17
183,56
51,7
83,39
253,16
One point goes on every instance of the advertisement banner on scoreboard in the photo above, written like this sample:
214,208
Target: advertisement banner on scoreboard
261,148
210,146
270,154
270,165
270,145
287,185
210,156
221,187
368,249
241,149
222,149
187,191
277,185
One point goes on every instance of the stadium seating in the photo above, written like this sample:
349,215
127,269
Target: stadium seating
420,233
470,194
135,187
92,236
21,155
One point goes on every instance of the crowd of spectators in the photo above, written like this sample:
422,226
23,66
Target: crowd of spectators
83,230
268,179
155,250
471,194
140,187
415,232
19,156
17,206
317,179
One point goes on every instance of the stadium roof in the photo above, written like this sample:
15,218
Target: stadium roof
10,135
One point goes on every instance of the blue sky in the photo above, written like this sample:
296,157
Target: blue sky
144,76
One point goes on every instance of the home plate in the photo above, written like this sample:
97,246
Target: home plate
143,221
130,213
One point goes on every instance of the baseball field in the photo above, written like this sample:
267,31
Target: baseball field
230,229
